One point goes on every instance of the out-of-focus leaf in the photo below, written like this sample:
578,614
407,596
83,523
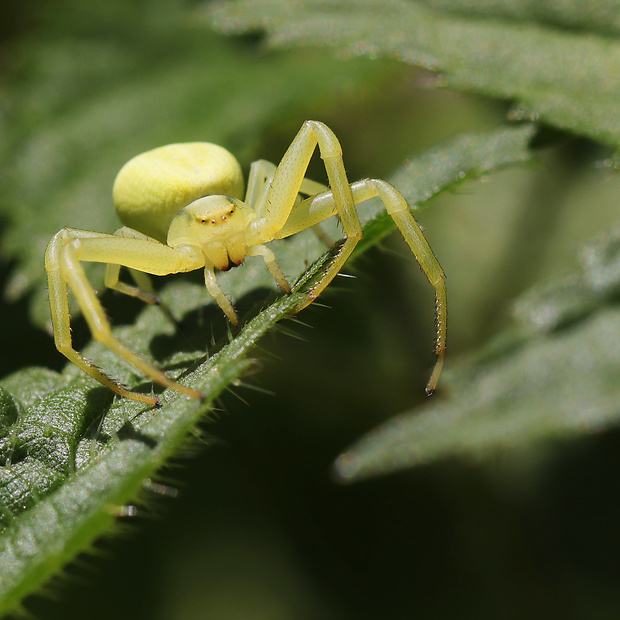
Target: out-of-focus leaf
553,374
463,158
563,77
601,16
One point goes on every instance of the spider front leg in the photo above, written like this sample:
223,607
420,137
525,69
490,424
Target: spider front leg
143,288
259,181
397,207
318,208
288,181
62,260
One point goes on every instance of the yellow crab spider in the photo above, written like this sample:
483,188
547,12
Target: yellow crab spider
182,209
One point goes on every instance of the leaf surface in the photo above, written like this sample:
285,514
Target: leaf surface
552,374
536,58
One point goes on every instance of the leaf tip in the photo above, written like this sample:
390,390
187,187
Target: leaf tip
345,468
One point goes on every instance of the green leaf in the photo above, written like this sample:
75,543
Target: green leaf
74,457
553,374
600,16
463,158
565,77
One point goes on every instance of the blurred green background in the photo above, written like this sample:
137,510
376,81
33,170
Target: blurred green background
259,528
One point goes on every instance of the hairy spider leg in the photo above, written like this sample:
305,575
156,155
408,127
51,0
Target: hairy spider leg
261,175
318,208
63,258
281,198
143,288
259,181
272,264
259,178
220,297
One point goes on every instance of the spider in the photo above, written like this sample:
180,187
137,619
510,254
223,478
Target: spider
182,209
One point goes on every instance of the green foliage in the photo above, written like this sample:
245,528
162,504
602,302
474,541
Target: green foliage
108,81
555,374
71,458
567,79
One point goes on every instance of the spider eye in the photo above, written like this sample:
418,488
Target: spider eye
212,210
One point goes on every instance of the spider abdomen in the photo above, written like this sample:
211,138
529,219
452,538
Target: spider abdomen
153,187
